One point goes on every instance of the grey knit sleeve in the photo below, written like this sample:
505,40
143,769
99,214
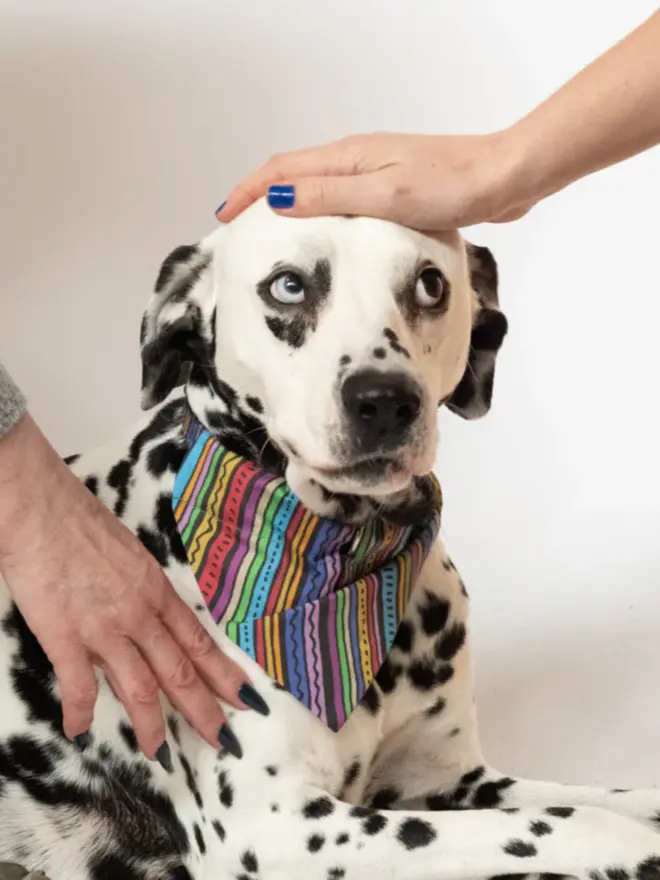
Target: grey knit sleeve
12,403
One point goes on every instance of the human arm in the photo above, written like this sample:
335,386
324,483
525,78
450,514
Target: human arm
93,596
608,112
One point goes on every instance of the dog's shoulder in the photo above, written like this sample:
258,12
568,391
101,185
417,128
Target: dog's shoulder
133,475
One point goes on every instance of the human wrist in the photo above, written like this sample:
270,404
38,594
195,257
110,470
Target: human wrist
538,165
29,468
509,177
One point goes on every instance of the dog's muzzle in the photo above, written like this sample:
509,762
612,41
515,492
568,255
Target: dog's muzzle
380,409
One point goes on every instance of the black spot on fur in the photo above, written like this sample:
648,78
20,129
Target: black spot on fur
71,459
387,676
560,812
291,331
26,755
380,353
344,360
436,708
522,877
439,802
32,673
374,824
190,780
342,839
434,614
315,843
166,456
122,797
510,810
405,637
472,776
92,484
318,808
166,527
166,419
111,867
255,404
450,641
394,343
336,873
385,798
119,479
425,675
217,420
182,254
540,829
219,829
489,794
351,775
173,726
226,790
360,812
249,862
155,544
128,735
415,833
520,849
371,701
271,771
178,873
199,838
649,869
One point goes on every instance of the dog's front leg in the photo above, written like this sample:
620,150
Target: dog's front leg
333,840
483,788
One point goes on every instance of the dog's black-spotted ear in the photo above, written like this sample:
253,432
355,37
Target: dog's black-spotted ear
473,394
178,324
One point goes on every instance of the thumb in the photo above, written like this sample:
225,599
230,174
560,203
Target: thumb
368,195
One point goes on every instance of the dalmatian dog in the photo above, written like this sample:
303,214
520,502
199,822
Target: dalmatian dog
267,320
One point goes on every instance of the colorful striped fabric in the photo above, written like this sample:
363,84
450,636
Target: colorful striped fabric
315,602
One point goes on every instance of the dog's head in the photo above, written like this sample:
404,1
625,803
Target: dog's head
332,340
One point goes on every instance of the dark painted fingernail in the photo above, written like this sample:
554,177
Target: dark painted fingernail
228,741
252,699
82,740
217,211
282,196
164,758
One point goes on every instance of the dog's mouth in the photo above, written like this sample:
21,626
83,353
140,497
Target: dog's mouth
375,467
381,473
377,474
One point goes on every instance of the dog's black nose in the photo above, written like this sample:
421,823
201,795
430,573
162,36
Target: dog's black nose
380,406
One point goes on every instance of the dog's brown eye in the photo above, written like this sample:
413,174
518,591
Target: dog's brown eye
431,288
288,288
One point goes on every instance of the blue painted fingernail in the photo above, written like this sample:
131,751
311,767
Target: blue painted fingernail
282,196
217,211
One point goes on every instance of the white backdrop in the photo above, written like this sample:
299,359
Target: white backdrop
125,123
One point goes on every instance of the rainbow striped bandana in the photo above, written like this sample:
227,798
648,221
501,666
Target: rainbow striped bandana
315,602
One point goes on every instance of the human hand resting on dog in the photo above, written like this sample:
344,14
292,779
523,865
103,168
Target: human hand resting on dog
608,112
93,596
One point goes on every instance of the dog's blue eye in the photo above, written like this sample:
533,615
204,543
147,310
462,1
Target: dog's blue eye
288,288
431,288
